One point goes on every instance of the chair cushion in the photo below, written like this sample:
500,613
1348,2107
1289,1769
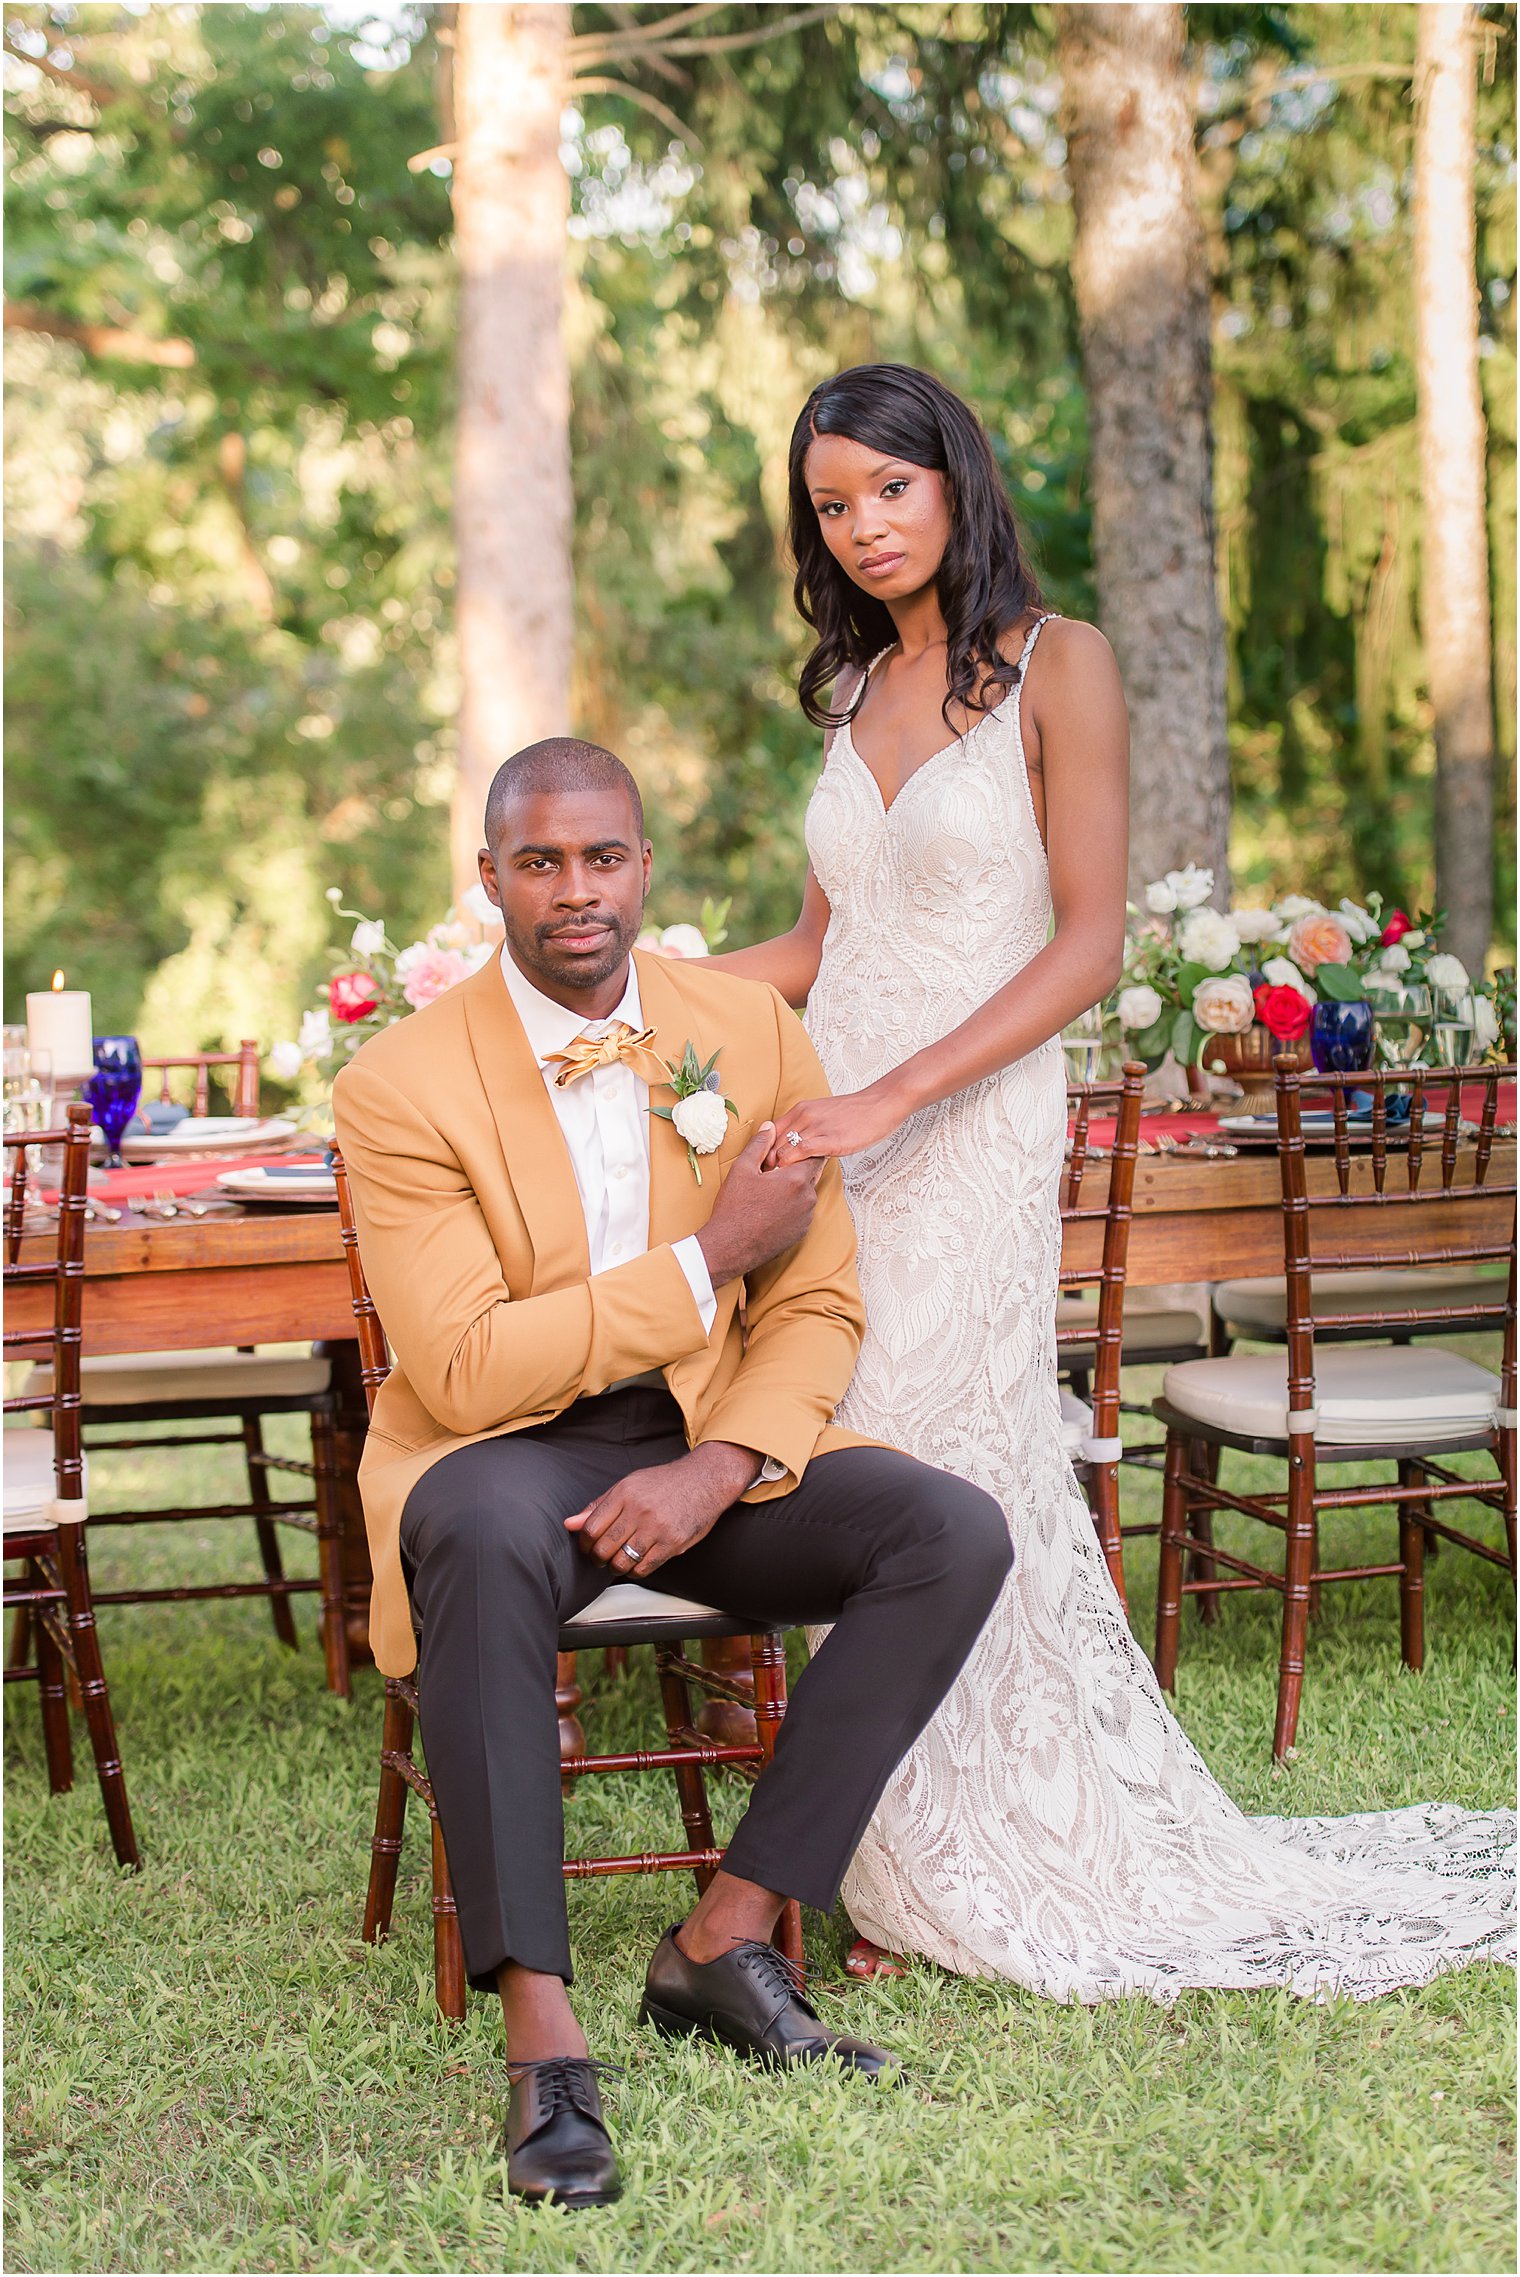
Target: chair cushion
1264,1304
30,1482
1364,1394
631,1601
1076,1423
1148,1326
125,1379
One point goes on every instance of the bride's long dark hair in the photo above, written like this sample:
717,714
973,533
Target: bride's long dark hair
984,583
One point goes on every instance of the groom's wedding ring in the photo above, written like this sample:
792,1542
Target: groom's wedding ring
794,1138
632,1552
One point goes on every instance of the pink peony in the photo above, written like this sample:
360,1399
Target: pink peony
352,996
426,973
1319,939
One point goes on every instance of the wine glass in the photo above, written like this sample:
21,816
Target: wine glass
1082,1042
114,1090
1452,1012
1404,1019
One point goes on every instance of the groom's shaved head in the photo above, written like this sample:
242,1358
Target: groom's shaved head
560,763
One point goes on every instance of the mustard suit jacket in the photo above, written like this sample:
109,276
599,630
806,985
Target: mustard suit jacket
474,1247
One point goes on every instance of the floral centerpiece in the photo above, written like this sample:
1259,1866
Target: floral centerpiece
373,983
1225,990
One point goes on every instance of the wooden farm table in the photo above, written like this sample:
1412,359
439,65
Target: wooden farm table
271,1277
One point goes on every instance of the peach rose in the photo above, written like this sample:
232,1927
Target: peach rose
1224,1004
1318,939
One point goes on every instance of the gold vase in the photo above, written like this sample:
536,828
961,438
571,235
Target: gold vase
1248,1058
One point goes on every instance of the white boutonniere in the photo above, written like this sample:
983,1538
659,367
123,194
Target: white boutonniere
701,1112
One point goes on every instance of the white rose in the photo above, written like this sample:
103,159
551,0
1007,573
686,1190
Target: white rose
1160,898
1283,974
1254,925
369,937
1139,1007
1486,1030
1225,1006
682,941
481,907
1207,938
1359,923
1296,905
1190,887
315,1041
1414,938
701,1120
1446,972
1395,958
286,1062
479,953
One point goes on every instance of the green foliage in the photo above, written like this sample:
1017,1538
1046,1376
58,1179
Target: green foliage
265,528
208,2070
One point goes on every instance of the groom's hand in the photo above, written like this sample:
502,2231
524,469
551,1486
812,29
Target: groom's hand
760,1213
664,1511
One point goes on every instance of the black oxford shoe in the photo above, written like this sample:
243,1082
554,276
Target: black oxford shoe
750,1999
557,2146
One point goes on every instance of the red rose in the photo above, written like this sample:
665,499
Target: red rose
1395,929
1282,1010
352,995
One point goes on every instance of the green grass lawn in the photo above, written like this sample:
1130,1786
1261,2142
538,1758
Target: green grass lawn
209,2071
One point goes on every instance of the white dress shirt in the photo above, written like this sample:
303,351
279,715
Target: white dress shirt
605,1120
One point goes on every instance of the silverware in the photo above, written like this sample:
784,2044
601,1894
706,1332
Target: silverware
165,1206
94,1209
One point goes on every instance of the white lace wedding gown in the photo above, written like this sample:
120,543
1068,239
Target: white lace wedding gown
1053,1825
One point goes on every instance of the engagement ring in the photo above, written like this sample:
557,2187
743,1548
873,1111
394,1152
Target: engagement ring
794,1138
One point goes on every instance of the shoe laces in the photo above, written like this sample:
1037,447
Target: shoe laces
560,2080
777,1974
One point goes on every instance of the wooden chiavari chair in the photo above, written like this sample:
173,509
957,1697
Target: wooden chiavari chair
45,1505
227,1394
1436,1203
625,1614
1090,1339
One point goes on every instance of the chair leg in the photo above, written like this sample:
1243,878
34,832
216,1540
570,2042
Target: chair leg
1204,1464
696,1817
768,1660
615,1660
84,1646
57,1741
390,1815
1103,1501
264,1528
1298,1573
448,1949
19,1651
326,1485
1169,1574
1412,1579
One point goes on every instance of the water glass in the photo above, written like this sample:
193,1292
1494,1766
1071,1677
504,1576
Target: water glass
1453,1016
28,1087
1082,1042
1404,1020
114,1090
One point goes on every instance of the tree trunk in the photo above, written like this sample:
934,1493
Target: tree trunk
1454,592
512,498
1142,291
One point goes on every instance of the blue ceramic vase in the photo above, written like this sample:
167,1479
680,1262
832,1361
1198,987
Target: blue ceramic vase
1341,1037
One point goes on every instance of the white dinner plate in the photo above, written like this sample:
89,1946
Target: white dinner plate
209,1134
258,1185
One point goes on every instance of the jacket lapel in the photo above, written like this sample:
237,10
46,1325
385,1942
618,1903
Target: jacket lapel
532,1143
677,1204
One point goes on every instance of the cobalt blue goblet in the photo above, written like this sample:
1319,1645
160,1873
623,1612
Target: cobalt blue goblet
1341,1036
114,1090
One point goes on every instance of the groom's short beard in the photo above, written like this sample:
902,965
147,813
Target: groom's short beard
534,950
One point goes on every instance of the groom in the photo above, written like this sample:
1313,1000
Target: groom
577,1400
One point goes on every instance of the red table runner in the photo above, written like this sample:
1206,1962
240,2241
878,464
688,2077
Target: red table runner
141,1179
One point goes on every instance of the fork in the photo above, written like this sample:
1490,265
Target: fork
164,1205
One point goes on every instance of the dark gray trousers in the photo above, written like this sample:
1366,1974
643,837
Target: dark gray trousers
904,1560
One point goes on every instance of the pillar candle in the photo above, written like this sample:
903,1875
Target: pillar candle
58,1020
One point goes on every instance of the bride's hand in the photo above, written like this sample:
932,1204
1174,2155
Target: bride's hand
845,1125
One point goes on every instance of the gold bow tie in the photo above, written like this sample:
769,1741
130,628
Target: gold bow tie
587,1053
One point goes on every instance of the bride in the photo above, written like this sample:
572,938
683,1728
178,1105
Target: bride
964,901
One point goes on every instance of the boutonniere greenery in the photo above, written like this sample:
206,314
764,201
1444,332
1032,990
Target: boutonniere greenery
701,1112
